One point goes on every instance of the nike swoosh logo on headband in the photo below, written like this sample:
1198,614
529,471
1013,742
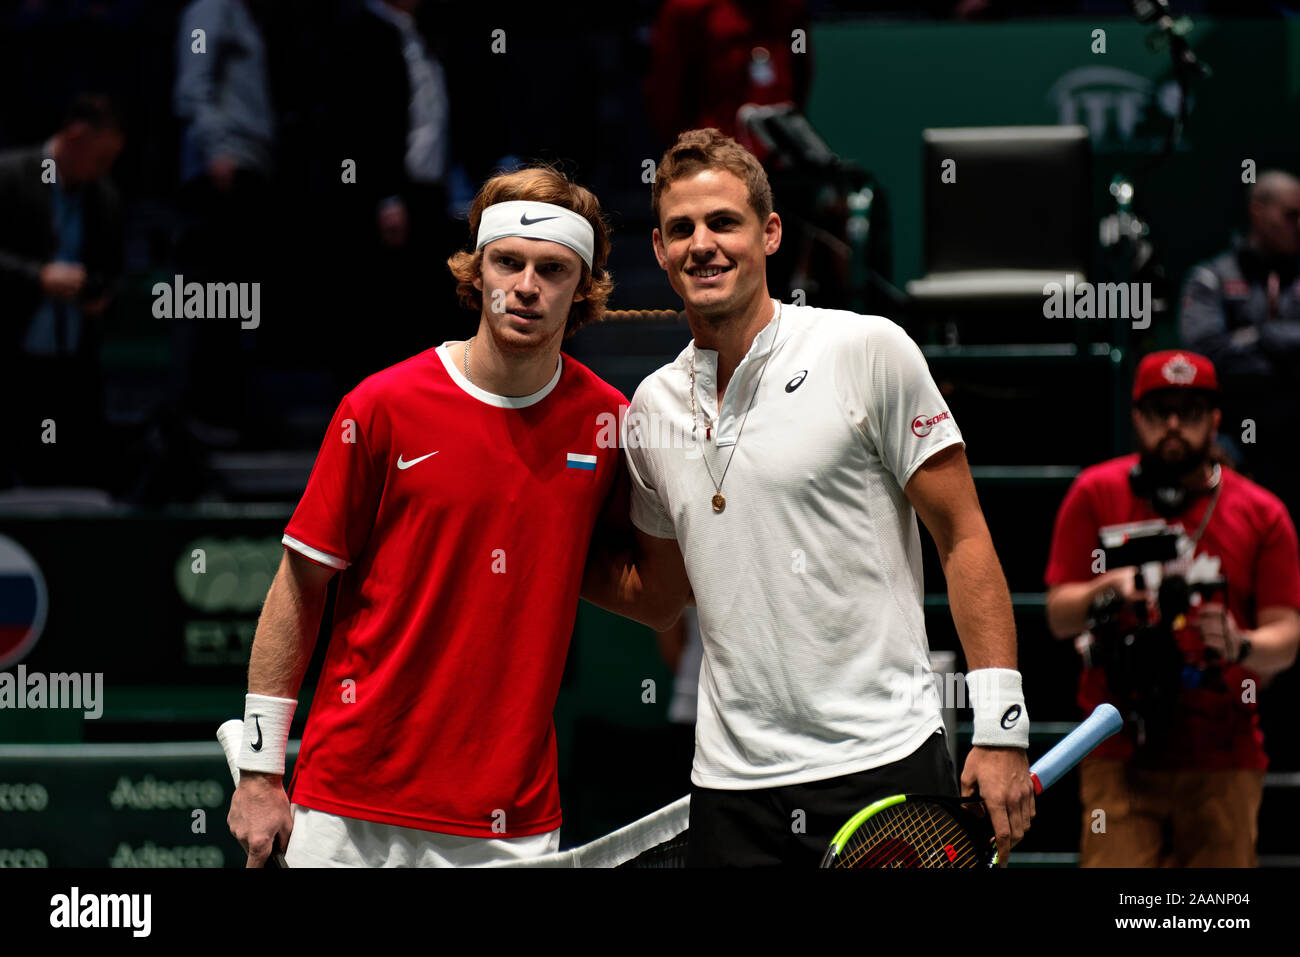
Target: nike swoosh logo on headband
525,221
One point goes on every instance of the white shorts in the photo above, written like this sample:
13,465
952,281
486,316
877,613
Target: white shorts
320,839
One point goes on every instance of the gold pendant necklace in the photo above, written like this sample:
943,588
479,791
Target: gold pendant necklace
719,501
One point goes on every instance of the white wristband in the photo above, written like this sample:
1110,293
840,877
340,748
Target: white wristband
1001,720
266,733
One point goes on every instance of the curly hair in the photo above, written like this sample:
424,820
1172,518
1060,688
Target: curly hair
540,184
709,148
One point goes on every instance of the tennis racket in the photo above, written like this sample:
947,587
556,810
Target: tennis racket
923,830
231,734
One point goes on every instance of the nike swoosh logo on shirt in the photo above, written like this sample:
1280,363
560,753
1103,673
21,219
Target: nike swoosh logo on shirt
406,465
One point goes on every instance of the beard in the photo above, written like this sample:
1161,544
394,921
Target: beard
1168,473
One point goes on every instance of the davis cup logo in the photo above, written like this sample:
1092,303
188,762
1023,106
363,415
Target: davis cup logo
922,426
23,602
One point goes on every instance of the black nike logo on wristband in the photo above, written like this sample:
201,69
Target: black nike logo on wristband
257,745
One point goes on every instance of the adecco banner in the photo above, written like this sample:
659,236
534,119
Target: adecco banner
117,805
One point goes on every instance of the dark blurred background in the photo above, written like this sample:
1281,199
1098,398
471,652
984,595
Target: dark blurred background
197,433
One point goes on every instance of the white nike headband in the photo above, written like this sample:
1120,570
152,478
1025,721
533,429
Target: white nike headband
537,221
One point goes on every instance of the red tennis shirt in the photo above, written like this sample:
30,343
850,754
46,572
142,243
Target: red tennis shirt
461,521
1252,536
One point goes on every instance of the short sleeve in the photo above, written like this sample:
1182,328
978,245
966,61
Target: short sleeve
333,519
895,400
1074,538
648,511
1277,581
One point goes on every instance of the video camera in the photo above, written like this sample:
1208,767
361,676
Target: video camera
1149,655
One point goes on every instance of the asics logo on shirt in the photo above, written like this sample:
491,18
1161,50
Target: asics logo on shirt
402,464
796,381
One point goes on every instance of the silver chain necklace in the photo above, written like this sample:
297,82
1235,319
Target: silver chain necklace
470,377
719,501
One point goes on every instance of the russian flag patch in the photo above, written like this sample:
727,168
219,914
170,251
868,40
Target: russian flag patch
577,461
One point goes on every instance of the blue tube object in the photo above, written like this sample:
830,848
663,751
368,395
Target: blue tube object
1075,746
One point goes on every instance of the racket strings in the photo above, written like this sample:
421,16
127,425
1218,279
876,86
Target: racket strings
911,835
914,838
925,834
942,841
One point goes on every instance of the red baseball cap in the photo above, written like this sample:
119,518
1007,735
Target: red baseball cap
1173,369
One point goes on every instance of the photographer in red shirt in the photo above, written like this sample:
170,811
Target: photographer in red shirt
1180,581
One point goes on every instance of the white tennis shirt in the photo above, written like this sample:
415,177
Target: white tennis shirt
808,583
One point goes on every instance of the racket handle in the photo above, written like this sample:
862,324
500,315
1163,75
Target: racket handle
1075,746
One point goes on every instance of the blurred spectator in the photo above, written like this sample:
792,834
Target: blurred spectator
393,119
399,118
222,95
223,98
710,57
60,264
1242,309
1180,645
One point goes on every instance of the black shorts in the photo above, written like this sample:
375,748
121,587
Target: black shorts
762,827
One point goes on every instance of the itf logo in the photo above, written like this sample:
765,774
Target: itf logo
1124,111
23,602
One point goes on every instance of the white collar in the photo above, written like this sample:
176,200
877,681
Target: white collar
761,346
491,398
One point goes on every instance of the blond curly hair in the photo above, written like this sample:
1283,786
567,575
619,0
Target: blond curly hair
540,184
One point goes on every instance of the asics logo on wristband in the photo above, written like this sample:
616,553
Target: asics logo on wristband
257,745
1010,717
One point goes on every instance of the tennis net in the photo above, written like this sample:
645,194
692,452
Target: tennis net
656,840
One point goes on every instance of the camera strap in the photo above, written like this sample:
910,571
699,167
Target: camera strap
1209,510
